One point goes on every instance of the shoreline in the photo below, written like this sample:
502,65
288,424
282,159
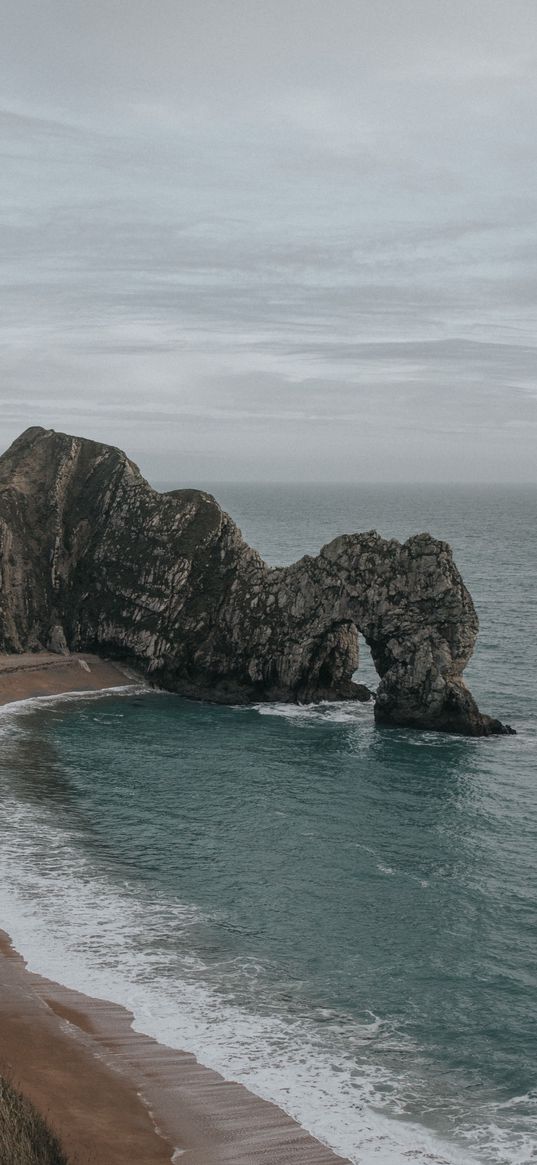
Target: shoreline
116,1096
112,1094
30,676
95,1112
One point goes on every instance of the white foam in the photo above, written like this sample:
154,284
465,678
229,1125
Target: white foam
75,926
30,703
335,712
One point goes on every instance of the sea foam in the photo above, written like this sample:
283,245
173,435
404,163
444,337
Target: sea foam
75,923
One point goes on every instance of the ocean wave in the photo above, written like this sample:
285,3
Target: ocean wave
280,1062
73,925
76,923
31,703
327,711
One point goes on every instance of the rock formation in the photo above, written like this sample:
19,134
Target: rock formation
92,558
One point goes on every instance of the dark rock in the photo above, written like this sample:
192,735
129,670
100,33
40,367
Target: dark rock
57,641
93,558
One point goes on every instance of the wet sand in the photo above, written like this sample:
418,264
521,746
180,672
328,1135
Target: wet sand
94,1110
115,1097
44,674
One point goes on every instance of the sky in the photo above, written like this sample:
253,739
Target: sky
273,240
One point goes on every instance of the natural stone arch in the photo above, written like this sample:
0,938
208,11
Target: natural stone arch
411,606
93,558
409,602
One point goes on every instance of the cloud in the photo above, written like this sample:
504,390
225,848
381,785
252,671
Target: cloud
288,240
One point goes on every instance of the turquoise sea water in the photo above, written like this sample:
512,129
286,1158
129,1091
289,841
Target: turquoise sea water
342,917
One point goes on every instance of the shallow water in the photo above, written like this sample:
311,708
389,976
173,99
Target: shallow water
342,917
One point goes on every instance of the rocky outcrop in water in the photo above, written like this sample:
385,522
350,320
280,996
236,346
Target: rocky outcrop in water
93,559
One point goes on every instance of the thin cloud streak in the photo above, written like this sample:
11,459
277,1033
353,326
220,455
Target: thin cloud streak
304,238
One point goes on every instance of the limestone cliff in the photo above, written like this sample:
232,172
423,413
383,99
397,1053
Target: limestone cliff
92,558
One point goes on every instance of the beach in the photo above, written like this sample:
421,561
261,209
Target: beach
117,1097
29,675
95,1111
112,1095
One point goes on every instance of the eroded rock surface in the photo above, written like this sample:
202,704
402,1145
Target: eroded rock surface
93,559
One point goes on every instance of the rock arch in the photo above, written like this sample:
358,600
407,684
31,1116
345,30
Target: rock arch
92,558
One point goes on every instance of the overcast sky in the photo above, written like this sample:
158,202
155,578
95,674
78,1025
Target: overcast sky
273,239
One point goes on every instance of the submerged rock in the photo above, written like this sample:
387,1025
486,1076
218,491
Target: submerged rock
92,558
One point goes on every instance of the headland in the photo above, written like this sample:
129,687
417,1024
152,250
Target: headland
92,558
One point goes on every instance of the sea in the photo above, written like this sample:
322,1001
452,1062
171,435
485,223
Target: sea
340,916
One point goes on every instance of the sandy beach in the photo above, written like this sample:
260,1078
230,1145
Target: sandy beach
113,1096
94,1110
46,674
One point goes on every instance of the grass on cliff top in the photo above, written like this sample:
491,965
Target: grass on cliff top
25,1138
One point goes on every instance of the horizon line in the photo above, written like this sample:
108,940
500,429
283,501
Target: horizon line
197,482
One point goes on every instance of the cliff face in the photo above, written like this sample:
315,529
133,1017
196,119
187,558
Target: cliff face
92,558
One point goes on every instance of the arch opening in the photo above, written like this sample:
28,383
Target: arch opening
366,672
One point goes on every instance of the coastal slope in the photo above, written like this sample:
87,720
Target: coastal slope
93,559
